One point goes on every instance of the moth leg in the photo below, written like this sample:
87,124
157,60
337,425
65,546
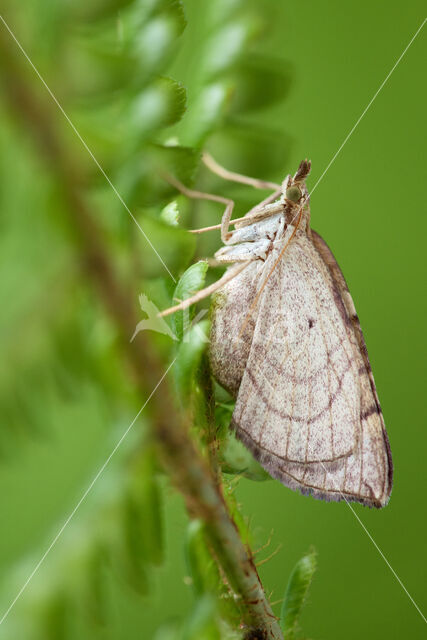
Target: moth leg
257,213
200,195
268,200
236,177
207,291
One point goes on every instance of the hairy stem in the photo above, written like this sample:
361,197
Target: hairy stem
187,468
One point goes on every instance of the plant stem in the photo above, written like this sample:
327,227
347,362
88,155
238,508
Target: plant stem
186,466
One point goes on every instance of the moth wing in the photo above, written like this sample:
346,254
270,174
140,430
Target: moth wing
367,476
305,396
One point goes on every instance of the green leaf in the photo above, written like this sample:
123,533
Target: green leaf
188,357
260,81
226,45
127,123
96,592
175,246
98,9
140,180
156,41
200,564
191,281
57,617
253,150
144,516
170,214
147,494
206,113
132,561
142,523
296,593
168,631
203,624
237,460
159,105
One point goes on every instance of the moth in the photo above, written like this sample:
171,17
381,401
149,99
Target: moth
286,342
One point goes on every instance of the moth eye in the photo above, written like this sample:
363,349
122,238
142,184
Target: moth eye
293,193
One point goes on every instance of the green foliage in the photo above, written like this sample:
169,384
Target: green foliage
144,107
190,282
202,568
189,356
237,460
170,213
203,624
142,521
296,594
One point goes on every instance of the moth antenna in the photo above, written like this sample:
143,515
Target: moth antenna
255,302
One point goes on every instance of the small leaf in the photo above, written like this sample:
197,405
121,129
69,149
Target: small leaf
168,631
188,358
157,39
140,180
226,44
191,281
149,495
296,593
98,9
256,71
254,150
57,617
146,494
237,460
175,246
133,561
159,105
142,523
170,214
206,113
200,564
152,322
203,624
96,595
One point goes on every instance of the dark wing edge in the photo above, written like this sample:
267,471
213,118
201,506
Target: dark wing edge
346,306
275,467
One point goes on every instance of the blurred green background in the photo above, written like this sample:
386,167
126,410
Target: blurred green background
326,63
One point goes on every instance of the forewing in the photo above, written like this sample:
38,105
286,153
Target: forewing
306,407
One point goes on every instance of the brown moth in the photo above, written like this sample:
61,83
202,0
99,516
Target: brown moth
286,342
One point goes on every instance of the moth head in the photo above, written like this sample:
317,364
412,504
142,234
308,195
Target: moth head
296,197
293,193
295,187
